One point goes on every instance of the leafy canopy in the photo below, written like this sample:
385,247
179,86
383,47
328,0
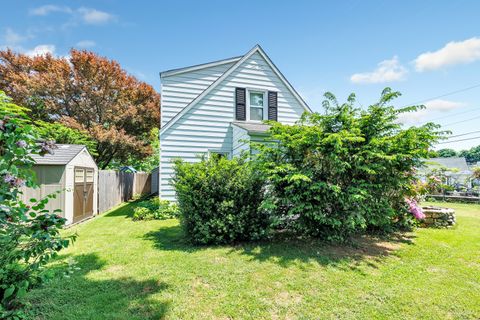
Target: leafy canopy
62,134
446,153
88,93
345,171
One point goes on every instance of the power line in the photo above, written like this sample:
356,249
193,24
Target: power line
445,94
463,134
459,140
462,121
454,114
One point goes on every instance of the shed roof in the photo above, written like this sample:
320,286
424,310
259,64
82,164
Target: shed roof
253,127
61,156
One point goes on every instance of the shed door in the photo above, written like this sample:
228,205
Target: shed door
83,193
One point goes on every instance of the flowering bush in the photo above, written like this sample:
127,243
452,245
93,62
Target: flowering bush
415,209
29,234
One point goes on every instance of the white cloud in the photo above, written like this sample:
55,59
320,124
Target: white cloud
49,8
452,53
41,50
85,44
87,15
12,38
386,71
437,105
442,105
94,16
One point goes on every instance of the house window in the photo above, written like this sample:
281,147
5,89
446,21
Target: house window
257,103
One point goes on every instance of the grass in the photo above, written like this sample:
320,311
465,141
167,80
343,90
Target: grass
145,270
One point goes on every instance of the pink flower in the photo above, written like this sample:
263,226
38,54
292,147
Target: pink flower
415,209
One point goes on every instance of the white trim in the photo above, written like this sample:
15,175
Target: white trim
284,80
173,72
248,106
258,49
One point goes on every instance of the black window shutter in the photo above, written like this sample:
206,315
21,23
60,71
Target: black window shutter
272,106
240,104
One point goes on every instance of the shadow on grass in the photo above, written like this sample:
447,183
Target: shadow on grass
81,297
287,251
362,250
125,209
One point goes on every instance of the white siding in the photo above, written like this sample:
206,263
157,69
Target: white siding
207,126
240,141
179,90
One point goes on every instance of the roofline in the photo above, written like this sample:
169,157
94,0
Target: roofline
257,48
282,77
84,147
176,71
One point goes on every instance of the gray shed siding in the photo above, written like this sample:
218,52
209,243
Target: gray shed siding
50,179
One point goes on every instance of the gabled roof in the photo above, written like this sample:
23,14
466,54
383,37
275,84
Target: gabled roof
256,49
172,72
62,155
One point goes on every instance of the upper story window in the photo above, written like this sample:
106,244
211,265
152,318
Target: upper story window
257,105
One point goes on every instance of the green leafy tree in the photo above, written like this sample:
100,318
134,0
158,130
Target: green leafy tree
149,163
29,234
346,171
86,92
446,153
62,134
472,155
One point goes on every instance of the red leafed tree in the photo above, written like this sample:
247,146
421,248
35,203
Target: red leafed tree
87,92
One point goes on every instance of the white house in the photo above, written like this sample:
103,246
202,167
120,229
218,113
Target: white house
215,107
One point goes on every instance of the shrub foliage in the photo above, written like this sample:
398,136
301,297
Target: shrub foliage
29,234
347,170
330,175
155,209
219,200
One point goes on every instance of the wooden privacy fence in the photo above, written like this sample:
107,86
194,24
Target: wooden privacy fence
116,187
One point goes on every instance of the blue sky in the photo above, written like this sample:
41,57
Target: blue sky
425,49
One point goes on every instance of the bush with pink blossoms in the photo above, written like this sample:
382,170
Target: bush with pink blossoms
415,209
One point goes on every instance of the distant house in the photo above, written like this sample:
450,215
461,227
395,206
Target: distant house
213,108
456,169
73,173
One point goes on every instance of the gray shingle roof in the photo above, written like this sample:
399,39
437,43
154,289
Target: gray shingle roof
252,127
452,163
63,155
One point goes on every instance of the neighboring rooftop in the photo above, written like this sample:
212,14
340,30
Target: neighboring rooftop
452,163
62,155
252,127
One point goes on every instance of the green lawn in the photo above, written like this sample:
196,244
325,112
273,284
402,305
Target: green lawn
144,270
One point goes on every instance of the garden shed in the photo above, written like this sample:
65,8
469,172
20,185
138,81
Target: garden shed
72,171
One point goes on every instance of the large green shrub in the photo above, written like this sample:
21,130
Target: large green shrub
219,200
346,171
29,234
